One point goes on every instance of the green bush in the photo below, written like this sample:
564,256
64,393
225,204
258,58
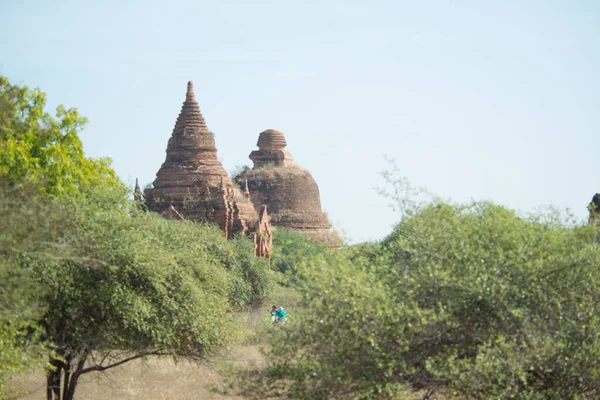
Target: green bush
467,301
290,249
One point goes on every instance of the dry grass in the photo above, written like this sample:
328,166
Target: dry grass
156,378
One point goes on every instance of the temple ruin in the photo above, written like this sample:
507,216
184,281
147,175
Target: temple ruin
192,184
290,192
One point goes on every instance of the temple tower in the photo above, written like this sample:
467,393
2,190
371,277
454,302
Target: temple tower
192,183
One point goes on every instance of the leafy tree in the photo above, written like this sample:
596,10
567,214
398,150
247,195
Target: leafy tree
36,146
39,156
125,287
470,301
130,287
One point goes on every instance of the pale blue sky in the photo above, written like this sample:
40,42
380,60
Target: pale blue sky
493,100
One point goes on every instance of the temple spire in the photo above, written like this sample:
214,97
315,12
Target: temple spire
137,193
190,121
246,191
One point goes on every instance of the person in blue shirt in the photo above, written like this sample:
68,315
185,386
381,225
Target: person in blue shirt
281,315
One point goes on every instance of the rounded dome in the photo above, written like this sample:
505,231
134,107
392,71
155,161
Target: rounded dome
271,139
291,196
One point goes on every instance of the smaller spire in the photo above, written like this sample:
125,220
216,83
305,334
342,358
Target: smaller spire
246,191
137,193
222,185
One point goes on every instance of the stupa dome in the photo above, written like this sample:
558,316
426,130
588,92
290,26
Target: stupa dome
289,192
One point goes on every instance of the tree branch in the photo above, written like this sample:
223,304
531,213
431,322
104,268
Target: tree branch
123,361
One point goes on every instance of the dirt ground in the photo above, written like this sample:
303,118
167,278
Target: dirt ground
156,378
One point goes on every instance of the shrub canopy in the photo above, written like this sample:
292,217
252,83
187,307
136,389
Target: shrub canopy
470,301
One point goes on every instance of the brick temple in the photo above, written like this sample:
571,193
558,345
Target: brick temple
192,184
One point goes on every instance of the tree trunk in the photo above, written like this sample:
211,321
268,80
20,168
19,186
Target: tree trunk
67,379
69,390
53,380
63,378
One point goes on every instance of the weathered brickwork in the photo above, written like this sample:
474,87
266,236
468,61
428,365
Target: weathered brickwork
192,183
290,192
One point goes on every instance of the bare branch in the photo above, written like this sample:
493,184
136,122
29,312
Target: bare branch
123,361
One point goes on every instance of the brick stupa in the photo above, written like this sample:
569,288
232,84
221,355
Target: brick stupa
192,184
290,192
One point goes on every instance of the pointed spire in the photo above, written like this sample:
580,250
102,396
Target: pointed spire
190,120
246,191
222,185
137,193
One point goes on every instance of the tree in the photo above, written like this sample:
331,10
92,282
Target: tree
38,147
128,288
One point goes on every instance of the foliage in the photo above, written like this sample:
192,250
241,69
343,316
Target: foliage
126,286
105,282
20,297
39,155
250,279
18,348
36,146
470,301
290,249
238,175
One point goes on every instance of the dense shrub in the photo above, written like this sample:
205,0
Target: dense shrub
290,249
467,301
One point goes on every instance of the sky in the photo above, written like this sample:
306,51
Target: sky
475,100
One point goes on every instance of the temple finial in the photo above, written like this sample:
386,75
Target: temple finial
137,193
222,185
190,95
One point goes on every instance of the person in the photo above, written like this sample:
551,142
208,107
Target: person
274,314
281,315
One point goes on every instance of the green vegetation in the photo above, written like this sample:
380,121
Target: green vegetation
35,146
465,301
91,282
